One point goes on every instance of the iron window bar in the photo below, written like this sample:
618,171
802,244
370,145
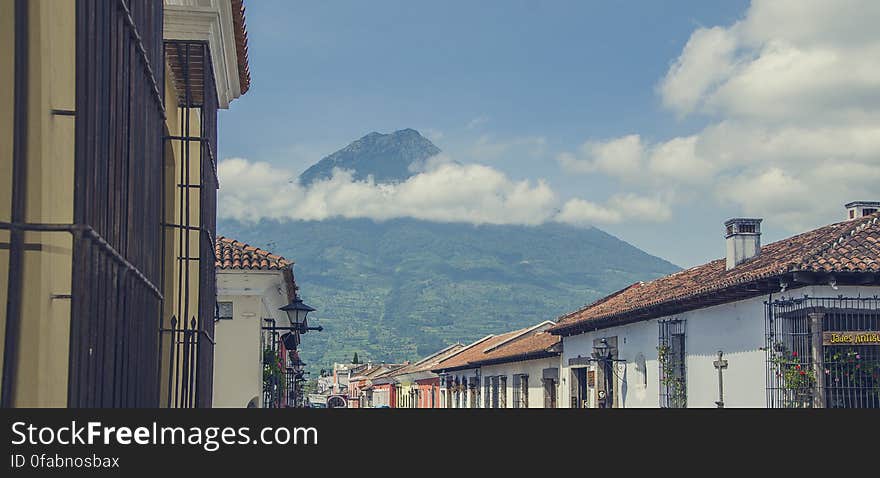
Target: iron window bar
803,371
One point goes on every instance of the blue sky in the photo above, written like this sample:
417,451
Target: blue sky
517,85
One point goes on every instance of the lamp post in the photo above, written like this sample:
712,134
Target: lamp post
602,355
297,312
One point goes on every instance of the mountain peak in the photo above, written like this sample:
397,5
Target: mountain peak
386,157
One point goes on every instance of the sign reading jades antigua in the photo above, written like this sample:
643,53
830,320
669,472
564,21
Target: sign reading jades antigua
851,338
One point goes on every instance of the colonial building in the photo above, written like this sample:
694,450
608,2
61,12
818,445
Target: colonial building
360,385
383,388
416,385
795,323
108,152
522,373
462,380
256,356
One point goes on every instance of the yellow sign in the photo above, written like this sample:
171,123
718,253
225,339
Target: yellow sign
851,338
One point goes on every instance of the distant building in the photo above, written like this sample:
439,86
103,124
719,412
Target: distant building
494,371
416,386
795,323
360,387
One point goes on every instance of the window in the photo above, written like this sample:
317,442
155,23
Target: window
747,228
487,381
502,391
521,391
494,392
868,211
224,310
671,359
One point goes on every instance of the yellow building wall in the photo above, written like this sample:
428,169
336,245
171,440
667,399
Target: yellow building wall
45,327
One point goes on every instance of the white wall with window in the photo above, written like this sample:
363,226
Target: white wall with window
736,328
521,383
245,298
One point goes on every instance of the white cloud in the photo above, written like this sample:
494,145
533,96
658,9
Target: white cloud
619,208
706,60
792,97
620,157
446,191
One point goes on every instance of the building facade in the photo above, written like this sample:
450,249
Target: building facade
795,323
256,361
108,197
494,371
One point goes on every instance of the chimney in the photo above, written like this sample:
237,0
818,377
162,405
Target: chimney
857,209
743,237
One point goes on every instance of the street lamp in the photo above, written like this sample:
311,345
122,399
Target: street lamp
297,312
602,354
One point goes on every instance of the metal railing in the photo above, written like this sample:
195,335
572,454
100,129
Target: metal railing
190,331
806,368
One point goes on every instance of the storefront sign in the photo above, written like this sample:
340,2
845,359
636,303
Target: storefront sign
591,378
851,338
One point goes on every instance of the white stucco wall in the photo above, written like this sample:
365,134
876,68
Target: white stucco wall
534,369
736,328
238,371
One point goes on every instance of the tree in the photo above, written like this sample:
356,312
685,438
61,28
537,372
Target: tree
355,358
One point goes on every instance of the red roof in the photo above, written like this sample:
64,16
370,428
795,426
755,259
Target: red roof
845,247
232,254
241,45
541,344
509,346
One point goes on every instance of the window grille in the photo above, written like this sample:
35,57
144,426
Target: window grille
494,392
516,391
671,357
521,391
502,391
487,384
805,369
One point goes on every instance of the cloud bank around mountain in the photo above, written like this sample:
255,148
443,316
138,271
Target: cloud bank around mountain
445,191
791,95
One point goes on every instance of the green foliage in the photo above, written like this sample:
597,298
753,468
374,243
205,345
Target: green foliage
272,373
795,376
846,367
355,358
674,383
401,289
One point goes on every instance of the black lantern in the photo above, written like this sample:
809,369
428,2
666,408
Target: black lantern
600,352
297,312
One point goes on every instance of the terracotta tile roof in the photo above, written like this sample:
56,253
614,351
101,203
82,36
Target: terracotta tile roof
232,254
466,357
845,247
541,344
241,45
429,362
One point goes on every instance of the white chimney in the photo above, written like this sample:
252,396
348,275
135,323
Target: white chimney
743,237
857,209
